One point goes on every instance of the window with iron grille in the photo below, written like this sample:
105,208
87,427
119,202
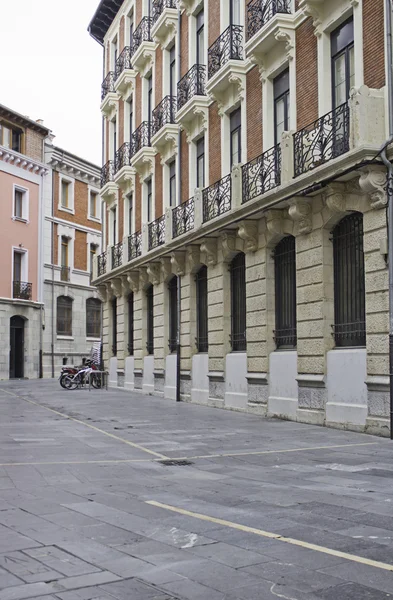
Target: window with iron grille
173,316
349,284
202,309
285,292
238,302
114,326
131,324
64,315
150,319
93,318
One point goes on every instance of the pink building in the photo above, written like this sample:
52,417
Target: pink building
22,174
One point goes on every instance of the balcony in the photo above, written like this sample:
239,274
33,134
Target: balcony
117,255
125,74
101,264
143,47
108,94
183,218
229,46
142,154
164,128
108,185
217,199
65,273
165,19
323,140
124,174
192,102
156,233
134,245
261,174
21,290
269,22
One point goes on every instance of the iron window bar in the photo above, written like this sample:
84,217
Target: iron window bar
117,255
262,173
141,137
150,320
101,264
192,84
260,12
183,218
160,5
321,141
123,156
285,338
164,113
108,85
130,345
134,245
156,231
285,334
217,198
173,314
107,172
237,271
142,33
123,62
202,338
65,273
22,290
229,46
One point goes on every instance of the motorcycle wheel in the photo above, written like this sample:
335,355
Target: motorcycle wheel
70,383
96,381
61,380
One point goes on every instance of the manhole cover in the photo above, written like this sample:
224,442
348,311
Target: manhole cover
176,463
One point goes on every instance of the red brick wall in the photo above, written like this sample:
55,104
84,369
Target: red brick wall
106,140
158,77
158,187
138,101
214,21
33,144
184,167
184,45
121,34
373,43
55,244
306,74
121,123
214,145
254,115
80,250
138,206
120,215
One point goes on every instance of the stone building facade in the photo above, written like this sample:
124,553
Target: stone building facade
246,205
72,234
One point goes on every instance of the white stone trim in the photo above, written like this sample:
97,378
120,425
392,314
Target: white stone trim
25,203
68,232
71,195
24,264
94,190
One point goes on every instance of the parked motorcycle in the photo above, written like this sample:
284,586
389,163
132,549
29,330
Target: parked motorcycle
68,373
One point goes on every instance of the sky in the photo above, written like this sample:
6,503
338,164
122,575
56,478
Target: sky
51,69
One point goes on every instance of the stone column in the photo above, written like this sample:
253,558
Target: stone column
138,281
157,278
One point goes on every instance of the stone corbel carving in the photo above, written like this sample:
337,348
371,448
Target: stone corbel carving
310,10
300,212
143,277
102,292
287,38
334,196
116,287
125,285
166,267
193,257
154,273
228,244
248,231
373,181
274,220
178,263
209,248
133,281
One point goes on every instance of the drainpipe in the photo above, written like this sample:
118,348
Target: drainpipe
52,345
389,192
178,365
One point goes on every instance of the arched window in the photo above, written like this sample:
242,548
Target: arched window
93,318
130,303
150,319
64,315
238,302
285,292
114,326
173,317
202,309
349,285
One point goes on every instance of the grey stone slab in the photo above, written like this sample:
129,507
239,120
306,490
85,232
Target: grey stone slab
8,579
26,568
73,583
29,590
61,561
351,591
132,588
190,590
127,566
229,555
377,579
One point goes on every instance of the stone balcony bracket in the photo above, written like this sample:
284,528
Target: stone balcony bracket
144,58
143,162
125,83
164,29
109,105
109,193
193,116
165,142
279,31
125,179
228,85
191,7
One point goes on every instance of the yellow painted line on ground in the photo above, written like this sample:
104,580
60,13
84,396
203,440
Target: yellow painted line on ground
111,435
274,536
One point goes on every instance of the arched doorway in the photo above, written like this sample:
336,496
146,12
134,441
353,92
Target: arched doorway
17,347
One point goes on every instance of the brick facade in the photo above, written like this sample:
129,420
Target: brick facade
254,114
306,74
374,43
214,143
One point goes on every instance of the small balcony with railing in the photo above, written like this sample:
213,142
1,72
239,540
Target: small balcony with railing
21,290
108,94
261,174
164,128
143,47
124,73
164,22
117,255
65,273
192,101
134,245
124,174
142,153
101,264
183,218
268,23
156,233
108,185
217,199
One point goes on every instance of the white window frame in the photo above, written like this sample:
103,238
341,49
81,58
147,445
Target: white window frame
25,203
71,182
24,263
97,218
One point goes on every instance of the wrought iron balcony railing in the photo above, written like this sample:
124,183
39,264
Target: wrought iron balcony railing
160,5
157,232
108,85
117,255
183,218
123,156
192,84
134,245
124,61
285,338
259,12
164,113
65,273
142,33
229,46
22,290
107,172
321,141
217,198
262,174
101,264
141,137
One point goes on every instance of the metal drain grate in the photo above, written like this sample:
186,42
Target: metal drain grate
176,463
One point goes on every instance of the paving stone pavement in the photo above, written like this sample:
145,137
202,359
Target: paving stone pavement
75,523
